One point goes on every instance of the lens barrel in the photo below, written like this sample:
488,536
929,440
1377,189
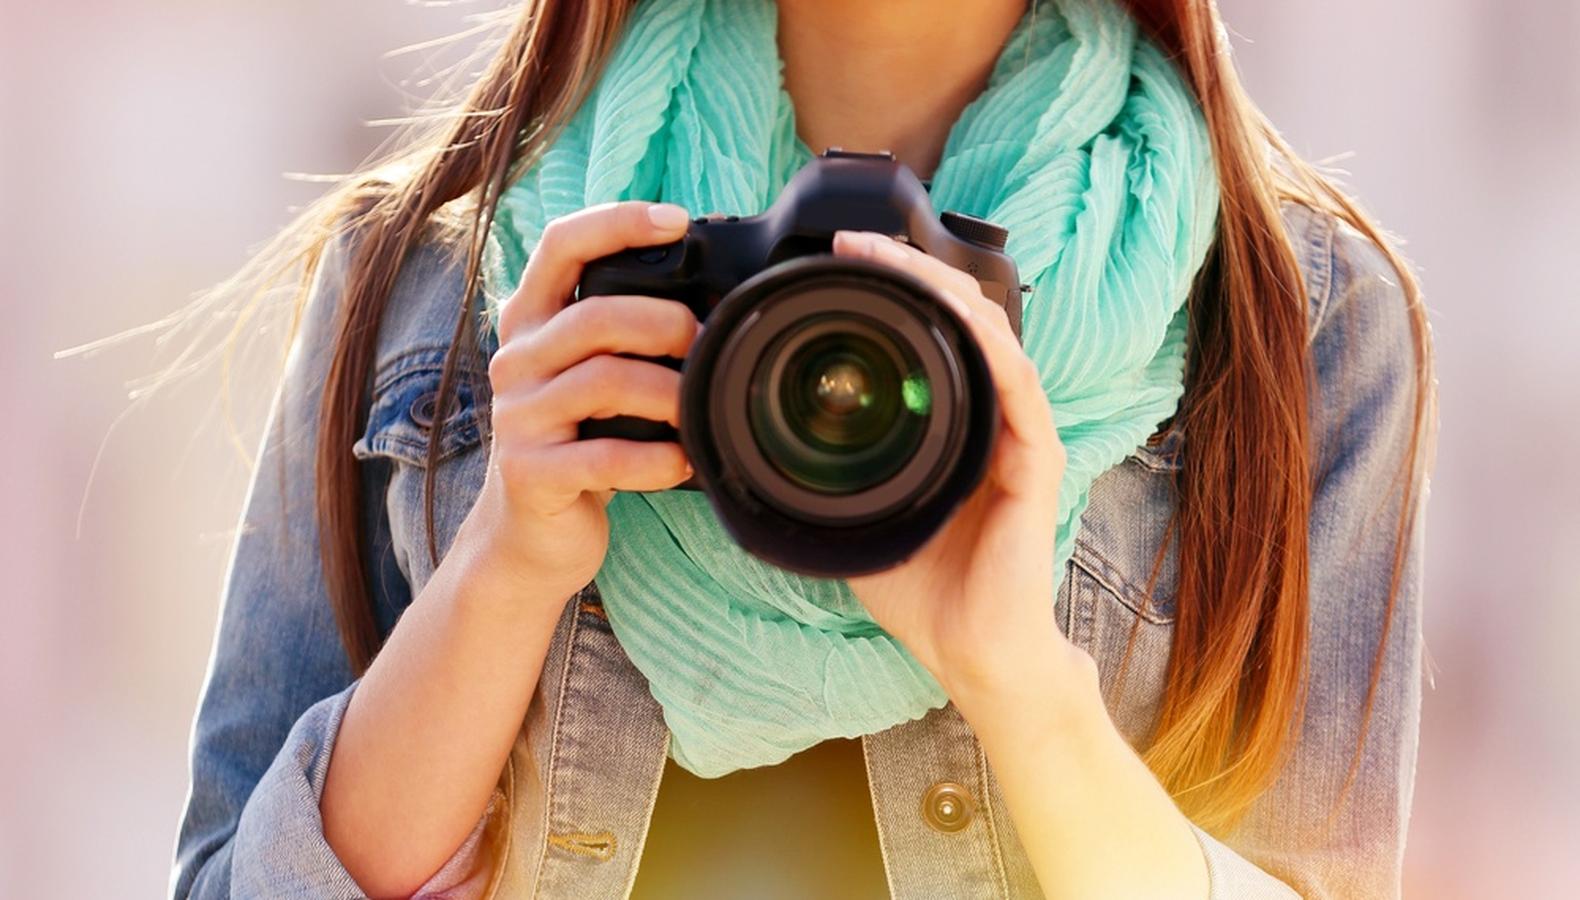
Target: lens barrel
836,412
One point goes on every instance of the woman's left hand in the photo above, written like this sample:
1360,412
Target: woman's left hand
975,605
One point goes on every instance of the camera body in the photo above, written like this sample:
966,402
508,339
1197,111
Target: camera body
835,410
840,190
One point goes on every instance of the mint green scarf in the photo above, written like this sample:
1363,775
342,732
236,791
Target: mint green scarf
1086,145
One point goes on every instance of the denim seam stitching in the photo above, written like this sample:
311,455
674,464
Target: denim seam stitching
1069,598
554,753
1108,575
652,802
986,790
407,361
872,795
458,437
1150,459
1323,266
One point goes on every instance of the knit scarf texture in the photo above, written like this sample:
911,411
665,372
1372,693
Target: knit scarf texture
1085,143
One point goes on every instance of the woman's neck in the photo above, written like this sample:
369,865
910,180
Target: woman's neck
889,74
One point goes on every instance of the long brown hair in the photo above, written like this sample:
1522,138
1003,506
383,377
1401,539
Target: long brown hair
1234,692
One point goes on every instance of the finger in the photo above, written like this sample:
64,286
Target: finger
595,388
551,477
644,326
932,270
571,241
986,318
1019,385
1025,469
957,287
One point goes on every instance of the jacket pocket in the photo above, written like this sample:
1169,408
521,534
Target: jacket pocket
1121,596
1129,636
401,417
400,420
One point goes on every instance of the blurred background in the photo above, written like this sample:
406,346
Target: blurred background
142,149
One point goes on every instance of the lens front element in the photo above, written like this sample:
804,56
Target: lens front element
834,403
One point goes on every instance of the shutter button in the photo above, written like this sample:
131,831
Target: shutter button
947,807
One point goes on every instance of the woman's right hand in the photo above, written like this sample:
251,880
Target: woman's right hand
430,727
540,515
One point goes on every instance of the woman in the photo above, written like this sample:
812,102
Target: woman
1168,648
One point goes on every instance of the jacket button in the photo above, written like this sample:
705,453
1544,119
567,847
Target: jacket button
423,408
947,807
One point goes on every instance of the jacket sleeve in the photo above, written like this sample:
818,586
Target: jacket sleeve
1333,824
278,680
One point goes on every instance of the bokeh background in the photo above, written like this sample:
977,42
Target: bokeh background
142,148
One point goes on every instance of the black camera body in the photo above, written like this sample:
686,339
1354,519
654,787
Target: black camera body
838,191
835,410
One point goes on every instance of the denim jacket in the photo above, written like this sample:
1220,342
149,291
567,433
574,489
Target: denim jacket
583,775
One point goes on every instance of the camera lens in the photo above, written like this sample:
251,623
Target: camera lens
836,412
838,404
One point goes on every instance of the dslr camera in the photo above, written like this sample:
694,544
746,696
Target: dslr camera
835,411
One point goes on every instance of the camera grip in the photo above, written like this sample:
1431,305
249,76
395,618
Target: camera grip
629,428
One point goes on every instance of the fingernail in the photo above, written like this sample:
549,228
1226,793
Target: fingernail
855,241
668,216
